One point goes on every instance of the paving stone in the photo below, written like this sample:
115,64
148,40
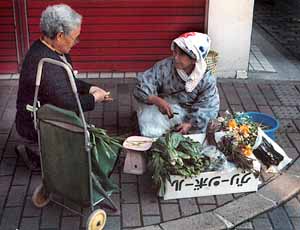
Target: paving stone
22,176
9,151
207,207
236,108
297,124
10,218
131,215
294,136
34,182
113,223
93,75
16,196
170,211
5,126
4,184
149,204
276,189
245,208
150,220
70,223
231,94
30,210
280,219
81,75
126,178
286,112
287,125
117,75
7,166
2,201
265,109
292,207
153,227
30,223
206,200
130,75
9,114
245,226
146,185
3,138
222,199
283,140
223,102
295,222
269,94
129,193
105,75
110,119
51,216
294,169
256,94
172,201
246,99
116,199
206,221
5,76
262,224
188,206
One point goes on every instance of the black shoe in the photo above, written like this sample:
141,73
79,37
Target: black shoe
31,160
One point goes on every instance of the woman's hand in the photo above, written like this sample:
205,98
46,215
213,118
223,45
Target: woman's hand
184,128
100,95
162,105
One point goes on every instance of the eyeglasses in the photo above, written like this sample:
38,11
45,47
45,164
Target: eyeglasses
75,40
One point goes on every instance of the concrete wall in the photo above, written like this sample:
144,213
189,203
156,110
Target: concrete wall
229,26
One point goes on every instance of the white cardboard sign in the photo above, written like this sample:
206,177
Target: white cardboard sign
211,183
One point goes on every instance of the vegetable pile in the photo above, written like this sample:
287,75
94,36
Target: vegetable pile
174,154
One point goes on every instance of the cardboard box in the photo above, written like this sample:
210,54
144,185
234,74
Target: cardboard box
218,182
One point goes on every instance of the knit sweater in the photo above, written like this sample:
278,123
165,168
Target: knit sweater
54,89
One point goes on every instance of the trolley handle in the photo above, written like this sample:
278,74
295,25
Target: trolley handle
74,89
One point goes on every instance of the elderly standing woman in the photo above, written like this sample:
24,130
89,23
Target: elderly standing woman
60,26
178,92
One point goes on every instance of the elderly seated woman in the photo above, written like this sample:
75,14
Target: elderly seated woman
178,92
60,26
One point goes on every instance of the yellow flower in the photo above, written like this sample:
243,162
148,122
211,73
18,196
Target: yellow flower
247,150
244,130
232,124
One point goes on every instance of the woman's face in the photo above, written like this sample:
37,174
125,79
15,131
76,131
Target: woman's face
182,60
64,43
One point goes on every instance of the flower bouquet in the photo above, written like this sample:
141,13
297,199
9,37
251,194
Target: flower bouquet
240,137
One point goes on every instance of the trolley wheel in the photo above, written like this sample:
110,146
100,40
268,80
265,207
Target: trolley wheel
96,220
40,197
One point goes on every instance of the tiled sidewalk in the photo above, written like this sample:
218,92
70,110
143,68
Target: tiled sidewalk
282,21
138,204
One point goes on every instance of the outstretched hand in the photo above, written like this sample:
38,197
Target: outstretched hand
100,95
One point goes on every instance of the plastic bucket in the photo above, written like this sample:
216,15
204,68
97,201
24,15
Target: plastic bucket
266,120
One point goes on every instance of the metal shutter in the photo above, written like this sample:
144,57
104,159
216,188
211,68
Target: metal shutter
125,35
8,47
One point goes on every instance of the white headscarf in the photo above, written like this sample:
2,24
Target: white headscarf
197,46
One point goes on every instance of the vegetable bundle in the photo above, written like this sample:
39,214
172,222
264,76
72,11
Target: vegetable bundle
174,154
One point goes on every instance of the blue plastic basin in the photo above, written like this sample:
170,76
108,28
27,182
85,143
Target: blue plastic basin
267,120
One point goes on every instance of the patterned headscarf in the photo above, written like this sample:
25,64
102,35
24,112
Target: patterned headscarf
197,46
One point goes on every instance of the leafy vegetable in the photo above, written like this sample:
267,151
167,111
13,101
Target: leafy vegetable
175,154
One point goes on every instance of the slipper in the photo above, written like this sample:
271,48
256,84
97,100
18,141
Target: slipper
32,164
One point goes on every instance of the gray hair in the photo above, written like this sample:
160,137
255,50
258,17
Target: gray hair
59,18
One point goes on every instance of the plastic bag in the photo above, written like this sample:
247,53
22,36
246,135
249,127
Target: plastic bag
218,161
153,123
